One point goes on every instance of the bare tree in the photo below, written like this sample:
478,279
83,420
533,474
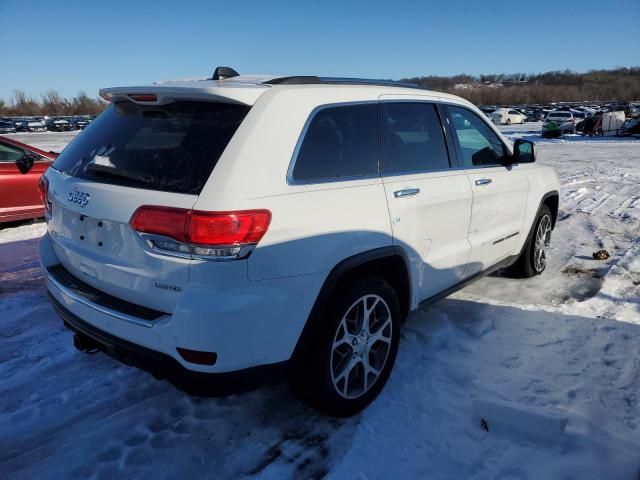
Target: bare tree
53,104
22,104
622,84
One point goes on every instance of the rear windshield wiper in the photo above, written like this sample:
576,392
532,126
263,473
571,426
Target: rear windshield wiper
109,171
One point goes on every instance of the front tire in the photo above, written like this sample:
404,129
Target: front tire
508,122
354,349
533,259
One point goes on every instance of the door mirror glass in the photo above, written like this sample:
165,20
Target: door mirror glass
25,163
523,152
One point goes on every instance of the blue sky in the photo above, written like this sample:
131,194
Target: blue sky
73,45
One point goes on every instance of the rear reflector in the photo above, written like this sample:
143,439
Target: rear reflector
210,234
201,358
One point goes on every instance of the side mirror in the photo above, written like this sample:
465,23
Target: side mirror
523,151
25,163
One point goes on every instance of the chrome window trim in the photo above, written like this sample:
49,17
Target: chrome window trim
444,102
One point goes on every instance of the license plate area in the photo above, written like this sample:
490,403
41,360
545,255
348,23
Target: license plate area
88,232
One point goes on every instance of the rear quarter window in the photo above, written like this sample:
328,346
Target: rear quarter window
340,142
171,148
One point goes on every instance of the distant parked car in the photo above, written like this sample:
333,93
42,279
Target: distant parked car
19,124
488,110
7,127
530,115
631,126
538,114
34,126
79,123
58,125
507,116
566,121
21,167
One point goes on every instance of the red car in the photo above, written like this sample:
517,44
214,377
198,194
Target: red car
21,167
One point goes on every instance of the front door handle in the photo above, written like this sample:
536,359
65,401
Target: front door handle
407,192
483,181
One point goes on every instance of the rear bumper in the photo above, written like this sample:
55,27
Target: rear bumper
247,325
163,366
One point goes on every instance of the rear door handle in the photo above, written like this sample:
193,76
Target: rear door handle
407,192
483,181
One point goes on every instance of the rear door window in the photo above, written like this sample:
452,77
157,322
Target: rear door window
172,148
340,142
413,139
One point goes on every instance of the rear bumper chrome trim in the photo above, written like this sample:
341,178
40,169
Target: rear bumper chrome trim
77,296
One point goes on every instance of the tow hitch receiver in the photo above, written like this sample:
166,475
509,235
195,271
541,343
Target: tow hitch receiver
85,344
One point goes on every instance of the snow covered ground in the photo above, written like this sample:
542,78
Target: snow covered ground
551,364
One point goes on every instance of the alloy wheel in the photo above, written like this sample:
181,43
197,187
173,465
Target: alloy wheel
361,346
542,242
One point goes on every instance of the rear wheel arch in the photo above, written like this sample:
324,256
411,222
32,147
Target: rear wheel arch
389,263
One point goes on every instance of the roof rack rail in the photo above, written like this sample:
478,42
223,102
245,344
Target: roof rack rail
314,80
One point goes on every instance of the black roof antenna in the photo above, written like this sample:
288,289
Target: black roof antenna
222,73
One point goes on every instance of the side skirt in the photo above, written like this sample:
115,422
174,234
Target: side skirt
459,286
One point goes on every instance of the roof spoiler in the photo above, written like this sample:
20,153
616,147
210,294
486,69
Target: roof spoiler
167,93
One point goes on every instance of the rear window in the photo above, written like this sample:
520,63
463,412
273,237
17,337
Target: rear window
173,148
559,115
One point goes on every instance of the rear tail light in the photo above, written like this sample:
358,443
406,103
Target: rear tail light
43,188
194,233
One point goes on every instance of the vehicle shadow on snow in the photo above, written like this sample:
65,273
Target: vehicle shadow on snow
19,267
458,352
19,223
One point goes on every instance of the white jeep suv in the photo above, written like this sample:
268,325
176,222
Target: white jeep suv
235,229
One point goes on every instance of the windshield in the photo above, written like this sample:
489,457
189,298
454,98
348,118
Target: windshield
559,115
172,148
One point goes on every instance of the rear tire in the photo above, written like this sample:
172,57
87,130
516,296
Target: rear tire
353,349
533,259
